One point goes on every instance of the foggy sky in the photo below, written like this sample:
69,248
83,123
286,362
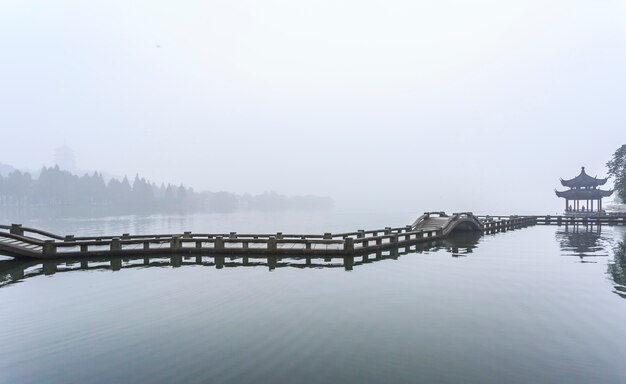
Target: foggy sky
380,104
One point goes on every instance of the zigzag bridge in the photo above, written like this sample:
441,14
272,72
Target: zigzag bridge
30,243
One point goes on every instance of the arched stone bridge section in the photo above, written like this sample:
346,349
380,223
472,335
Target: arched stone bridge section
440,221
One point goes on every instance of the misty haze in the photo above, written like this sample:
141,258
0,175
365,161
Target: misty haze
312,191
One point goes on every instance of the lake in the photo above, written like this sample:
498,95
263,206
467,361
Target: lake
543,304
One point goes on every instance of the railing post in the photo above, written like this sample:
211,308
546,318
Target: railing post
360,234
116,244
348,263
16,229
176,261
49,267
187,235
271,243
175,242
49,248
393,241
348,245
387,230
116,264
232,235
218,243
328,236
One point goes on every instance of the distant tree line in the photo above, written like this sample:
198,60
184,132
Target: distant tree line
59,188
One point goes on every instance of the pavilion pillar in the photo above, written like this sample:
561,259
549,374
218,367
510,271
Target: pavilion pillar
566,204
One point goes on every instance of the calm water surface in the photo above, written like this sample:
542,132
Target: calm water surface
537,305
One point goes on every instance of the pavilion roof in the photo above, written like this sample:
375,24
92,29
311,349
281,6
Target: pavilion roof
583,180
584,194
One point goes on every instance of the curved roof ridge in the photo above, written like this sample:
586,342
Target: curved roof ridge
584,194
583,180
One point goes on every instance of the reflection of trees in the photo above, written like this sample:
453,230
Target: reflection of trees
582,241
617,269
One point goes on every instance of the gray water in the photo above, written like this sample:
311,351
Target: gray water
543,304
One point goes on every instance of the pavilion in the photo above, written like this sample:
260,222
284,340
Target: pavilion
583,188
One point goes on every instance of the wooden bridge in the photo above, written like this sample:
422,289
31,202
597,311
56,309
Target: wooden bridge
23,242
14,270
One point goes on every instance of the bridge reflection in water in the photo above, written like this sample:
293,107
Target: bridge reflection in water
15,270
588,242
583,241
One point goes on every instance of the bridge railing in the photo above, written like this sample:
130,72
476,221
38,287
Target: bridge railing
28,240
427,215
18,229
22,231
345,242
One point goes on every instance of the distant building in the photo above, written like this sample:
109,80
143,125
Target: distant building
64,158
583,188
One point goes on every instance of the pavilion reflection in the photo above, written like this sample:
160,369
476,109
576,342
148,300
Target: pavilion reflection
583,241
589,242
14,270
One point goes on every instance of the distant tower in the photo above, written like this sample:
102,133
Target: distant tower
64,158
